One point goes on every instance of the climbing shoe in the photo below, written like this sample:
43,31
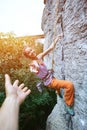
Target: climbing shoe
39,87
70,110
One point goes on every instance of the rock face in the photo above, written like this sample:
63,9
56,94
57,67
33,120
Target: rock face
70,58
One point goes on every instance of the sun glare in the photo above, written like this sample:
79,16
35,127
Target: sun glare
23,17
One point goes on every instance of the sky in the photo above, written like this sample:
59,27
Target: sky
23,17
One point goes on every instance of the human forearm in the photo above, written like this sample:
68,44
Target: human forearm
50,48
55,41
41,55
9,114
45,52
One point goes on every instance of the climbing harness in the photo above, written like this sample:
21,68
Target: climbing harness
40,84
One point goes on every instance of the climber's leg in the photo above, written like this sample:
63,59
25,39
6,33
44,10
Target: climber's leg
69,98
68,92
56,87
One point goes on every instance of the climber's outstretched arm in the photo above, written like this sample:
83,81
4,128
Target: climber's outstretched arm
41,55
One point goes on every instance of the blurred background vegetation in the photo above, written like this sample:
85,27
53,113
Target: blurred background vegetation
37,106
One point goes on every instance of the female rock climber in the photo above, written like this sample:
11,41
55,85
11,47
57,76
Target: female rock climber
39,68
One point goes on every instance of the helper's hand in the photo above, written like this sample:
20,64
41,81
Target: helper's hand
19,92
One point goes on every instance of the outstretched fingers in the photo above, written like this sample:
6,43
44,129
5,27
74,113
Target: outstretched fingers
7,80
21,86
24,89
28,92
20,91
15,84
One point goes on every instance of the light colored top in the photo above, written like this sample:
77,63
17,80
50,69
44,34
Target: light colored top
43,73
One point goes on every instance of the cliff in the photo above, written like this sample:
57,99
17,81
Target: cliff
70,58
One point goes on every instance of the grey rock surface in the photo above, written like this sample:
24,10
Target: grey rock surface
70,58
